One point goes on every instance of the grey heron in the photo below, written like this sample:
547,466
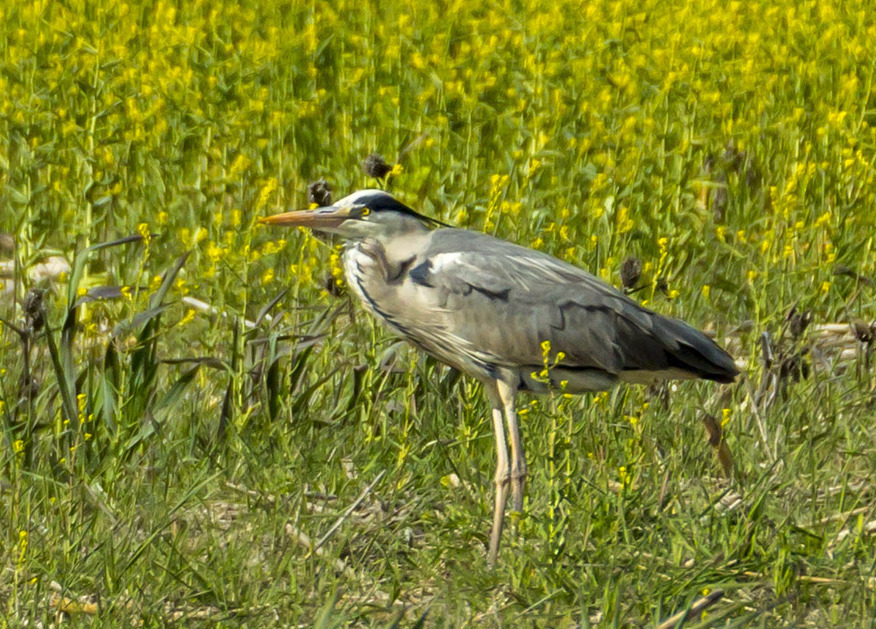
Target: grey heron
490,308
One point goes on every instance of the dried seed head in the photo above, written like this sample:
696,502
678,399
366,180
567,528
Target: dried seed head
33,309
320,192
332,286
631,272
863,332
375,166
798,322
794,366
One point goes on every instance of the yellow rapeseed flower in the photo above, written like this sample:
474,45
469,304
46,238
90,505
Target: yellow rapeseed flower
624,476
187,318
823,220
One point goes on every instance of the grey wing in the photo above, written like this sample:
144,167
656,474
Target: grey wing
506,301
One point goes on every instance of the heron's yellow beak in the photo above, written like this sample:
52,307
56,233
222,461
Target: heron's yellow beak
320,218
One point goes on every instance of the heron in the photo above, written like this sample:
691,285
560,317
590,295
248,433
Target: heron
493,310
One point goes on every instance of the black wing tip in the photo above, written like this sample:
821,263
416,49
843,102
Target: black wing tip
723,378
722,367
699,355
698,364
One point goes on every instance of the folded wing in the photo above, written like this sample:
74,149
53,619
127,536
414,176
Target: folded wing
507,300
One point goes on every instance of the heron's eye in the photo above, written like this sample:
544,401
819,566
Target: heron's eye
364,211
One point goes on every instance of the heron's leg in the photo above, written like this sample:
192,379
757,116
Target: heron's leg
501,480
508,394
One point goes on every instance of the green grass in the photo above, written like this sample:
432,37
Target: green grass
164,462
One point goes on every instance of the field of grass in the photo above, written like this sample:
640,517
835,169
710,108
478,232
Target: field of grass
199,427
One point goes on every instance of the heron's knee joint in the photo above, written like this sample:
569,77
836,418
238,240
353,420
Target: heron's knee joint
502,479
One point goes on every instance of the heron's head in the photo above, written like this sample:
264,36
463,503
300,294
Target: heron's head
363,214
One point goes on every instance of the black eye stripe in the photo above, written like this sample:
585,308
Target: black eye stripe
380,202
383,202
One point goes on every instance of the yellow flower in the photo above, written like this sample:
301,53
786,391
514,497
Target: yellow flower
240,164
22,547
624,476
270,186
823,220
268,276
188,318
624,222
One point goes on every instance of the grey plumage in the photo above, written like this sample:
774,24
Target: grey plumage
497,303
497,311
